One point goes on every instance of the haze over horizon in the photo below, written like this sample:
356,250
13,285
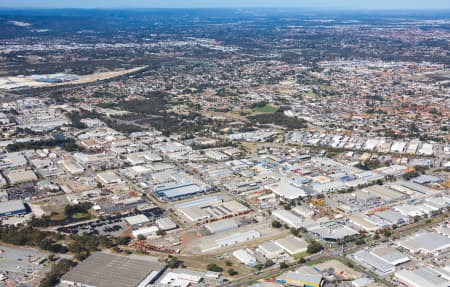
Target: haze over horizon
317,4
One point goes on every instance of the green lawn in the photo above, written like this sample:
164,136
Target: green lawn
81,215
310,94
267,109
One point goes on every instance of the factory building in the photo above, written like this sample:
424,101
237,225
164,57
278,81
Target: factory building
287,191
426,243
421,277
301,280
222,225
288,218
12,208
137,220
270,250
165,224
245,257
292,245
185,188
146,231
109,270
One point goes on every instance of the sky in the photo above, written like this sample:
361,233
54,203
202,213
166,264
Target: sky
321,4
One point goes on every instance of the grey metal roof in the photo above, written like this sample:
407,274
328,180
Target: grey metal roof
11,206
109,270
377,263
427,241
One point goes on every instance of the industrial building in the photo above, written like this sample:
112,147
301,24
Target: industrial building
390,255
185,188
270,250
301,280
421,277
222,225
292,245
245,257
230,239
332,231
181,278
427,242
109,270
146,231
287,191
212,207
288,218
304,211
374,261
137,220
165,223
20,176
109,177
12,208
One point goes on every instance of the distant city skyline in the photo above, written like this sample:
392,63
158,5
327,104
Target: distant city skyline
319,4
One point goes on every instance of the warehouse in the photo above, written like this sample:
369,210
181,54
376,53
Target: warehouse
137,220
426,242
410,210
229,240
206,209
392,217
440,203
287,191
201,202
194,213
12,208
108,270
20,176
178,191
288,218
292,245
221,225
146,231
270,250
374,261
421,277
333,231
245,257
238,237
390,255
362,221
181,278
304,211
165,224
108,177
73,167
418,188
301,280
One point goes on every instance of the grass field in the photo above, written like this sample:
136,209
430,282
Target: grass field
310,94
267,109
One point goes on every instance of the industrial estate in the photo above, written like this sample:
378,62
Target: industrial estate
224,148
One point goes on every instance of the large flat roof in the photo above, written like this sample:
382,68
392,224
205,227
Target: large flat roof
109,270
425,242
11,206
287,190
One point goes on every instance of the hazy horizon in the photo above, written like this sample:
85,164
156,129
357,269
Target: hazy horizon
317,4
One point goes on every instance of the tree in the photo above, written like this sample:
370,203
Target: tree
52,278
314,247
284,265
228,263
232,272
214,267
276,224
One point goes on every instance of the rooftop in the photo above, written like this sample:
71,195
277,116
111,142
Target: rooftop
108,270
